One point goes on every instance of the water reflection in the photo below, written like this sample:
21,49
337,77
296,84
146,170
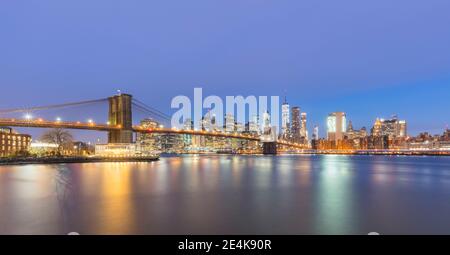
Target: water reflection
224,194
335,211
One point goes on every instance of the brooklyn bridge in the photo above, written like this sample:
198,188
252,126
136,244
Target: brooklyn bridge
120,127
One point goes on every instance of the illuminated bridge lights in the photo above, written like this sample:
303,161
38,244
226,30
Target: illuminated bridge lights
91,125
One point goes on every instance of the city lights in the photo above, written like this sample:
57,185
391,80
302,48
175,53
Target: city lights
388,136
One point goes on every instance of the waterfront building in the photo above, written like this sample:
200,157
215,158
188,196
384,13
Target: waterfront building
149,142
13,143
296,124
82,148
156,143
171,143
117,150
425,141
43,148
336,126
374,143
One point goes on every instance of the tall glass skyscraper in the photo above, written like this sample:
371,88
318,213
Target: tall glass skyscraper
296,124
336,126
285,120
303,129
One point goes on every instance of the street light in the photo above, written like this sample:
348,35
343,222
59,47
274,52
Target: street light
28,116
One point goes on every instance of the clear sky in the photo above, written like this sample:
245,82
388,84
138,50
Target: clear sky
367,58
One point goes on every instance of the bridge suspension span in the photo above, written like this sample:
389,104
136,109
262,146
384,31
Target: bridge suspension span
120,126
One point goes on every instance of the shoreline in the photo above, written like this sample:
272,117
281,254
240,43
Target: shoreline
72,160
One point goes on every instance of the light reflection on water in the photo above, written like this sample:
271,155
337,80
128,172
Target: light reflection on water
225,194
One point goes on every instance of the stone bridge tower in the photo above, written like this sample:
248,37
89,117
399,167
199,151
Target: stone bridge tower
120,114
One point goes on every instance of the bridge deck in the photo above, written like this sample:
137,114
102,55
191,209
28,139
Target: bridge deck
40,123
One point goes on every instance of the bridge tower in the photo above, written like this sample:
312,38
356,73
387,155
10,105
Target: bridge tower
270,148
269,141
120,114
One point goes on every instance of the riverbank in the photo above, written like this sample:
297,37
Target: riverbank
387,153
68,160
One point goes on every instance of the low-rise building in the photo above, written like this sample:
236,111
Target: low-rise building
43,148
13,143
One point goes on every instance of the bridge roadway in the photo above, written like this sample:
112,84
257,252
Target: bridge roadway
41,123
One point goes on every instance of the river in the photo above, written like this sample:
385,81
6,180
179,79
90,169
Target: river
228,194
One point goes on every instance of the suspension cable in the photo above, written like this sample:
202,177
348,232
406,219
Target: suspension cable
56,106
142,104
152,113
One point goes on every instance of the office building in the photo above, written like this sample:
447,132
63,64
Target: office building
229,123
303,128
146,142
336,126
316,133
285,122
296,124
392,128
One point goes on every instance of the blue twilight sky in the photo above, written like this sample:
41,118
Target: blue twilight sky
367,58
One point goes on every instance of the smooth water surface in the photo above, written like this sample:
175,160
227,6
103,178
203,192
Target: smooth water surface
226,194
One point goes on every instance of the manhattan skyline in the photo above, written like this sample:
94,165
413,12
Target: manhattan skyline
388,62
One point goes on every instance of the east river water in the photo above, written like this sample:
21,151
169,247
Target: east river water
227,194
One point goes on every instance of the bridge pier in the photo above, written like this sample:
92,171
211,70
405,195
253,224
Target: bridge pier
269,148
120,114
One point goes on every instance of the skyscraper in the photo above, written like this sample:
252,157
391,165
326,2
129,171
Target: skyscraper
402,127
296,124
303,128
266,123
254,124
207,121
316,133
336,126
188,124
150,141
285,122
240,127
229,123
377,128
350,127
390,127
